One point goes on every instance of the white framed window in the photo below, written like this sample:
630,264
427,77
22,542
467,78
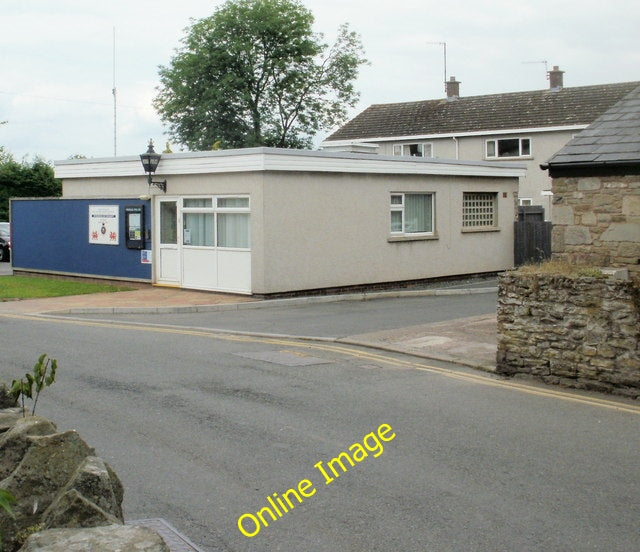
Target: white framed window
232,228
525,201
479,210
508,147
420,149
221,221
411,214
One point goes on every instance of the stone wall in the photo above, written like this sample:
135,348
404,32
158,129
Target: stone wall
596,221
581,332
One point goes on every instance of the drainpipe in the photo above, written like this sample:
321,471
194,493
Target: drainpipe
455,140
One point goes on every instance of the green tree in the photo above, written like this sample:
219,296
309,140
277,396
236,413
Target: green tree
25,179
255,74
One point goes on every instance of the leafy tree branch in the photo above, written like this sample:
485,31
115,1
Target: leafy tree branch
255,74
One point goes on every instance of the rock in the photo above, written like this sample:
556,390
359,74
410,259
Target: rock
93,496
71,509
15,442
123,538
67,498
8,418
48,463
46,466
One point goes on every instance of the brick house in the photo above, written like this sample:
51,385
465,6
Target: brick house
524,126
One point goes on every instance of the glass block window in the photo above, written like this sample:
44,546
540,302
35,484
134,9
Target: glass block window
479,209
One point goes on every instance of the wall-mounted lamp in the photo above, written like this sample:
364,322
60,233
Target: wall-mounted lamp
150,160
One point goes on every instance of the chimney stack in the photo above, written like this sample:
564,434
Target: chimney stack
453,88
555,78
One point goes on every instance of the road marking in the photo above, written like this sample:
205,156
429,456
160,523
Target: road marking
480,378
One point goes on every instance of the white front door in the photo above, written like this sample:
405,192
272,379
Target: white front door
169,271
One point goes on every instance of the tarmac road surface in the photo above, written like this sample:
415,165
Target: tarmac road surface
204,427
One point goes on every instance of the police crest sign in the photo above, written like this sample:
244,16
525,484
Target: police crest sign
103,224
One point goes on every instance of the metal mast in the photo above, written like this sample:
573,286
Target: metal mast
115,98
444,53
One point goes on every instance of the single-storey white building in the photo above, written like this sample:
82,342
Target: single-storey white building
269,221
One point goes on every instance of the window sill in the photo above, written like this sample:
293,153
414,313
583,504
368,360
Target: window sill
408,238
511,158
481,229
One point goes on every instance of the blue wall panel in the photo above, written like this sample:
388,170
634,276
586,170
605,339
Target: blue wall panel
53,234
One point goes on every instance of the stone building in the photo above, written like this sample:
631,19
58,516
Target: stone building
575,328
596,186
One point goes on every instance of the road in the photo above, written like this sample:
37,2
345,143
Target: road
202,427
328,319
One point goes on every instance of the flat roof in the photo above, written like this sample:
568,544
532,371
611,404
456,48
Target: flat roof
276,159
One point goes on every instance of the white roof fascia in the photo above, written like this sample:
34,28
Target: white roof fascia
267,159
458,134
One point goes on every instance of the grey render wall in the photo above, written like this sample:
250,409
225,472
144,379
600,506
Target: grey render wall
333,230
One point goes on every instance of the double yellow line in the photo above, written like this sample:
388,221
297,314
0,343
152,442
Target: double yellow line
333,347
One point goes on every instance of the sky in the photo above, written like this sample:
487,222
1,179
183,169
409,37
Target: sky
58,58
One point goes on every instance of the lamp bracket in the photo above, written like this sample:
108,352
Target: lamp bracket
162,184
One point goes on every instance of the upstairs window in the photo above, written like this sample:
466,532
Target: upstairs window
508,147
422,149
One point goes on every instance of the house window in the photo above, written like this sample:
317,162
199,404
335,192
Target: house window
525,201
479,210
508,147
413,150
198,229
216,222
411,214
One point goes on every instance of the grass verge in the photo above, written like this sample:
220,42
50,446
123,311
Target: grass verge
33,287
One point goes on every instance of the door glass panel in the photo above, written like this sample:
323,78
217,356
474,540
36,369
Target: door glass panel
198,229
168,222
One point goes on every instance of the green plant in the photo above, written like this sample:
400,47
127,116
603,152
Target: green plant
44,374
591,273
22,536
6,500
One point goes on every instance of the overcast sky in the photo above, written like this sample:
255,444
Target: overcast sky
57,58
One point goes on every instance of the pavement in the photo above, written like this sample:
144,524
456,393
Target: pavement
468,341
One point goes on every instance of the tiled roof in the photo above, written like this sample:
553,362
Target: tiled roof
612,139
540,108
